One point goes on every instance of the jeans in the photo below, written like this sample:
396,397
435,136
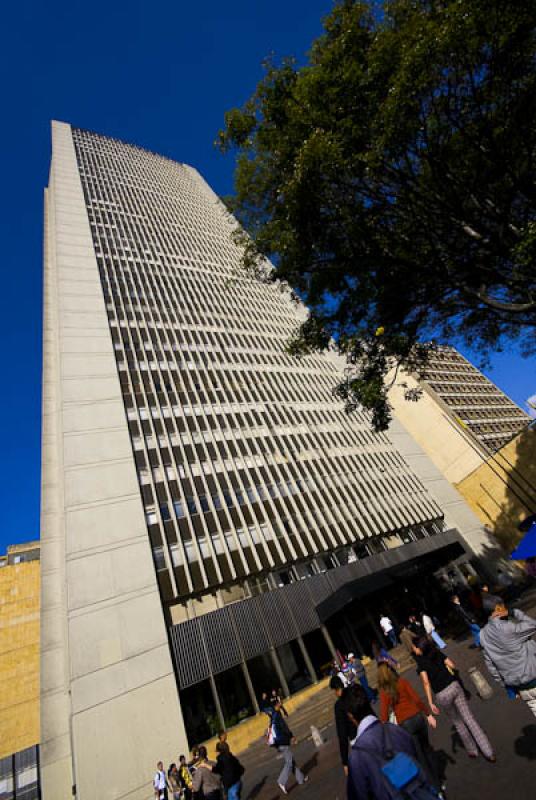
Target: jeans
371,694
234,791
289,766
417,727
392,638
475,630
529,696
438,640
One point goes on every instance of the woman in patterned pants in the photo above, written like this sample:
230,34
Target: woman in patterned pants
437,675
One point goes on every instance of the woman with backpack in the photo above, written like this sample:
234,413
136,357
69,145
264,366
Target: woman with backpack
400,703
438,676
229,768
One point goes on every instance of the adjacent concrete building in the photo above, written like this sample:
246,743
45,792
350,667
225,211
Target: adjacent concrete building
211,519
19,672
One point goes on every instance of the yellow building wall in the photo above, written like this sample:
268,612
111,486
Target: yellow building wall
19,657
502,491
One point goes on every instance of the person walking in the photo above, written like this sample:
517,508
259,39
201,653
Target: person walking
388,629
429,627
398,697
185,777
206,783
408,639
489,601
437,674
346,731
160,784
360,674
381,655
229,768
510,651
373,741
282,739
174,782
468,620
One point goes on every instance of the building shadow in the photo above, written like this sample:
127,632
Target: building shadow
525,745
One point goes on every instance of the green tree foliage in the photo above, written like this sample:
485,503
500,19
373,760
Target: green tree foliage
391,180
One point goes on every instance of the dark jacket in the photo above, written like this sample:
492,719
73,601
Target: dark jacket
346,730
282,732
365,779
229,768
465,615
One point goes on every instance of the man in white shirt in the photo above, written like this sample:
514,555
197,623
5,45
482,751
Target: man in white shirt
388,629
160,783
429,627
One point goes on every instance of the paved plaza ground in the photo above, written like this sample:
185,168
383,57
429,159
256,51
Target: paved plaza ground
508,723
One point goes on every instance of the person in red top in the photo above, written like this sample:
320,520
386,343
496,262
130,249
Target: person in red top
398,697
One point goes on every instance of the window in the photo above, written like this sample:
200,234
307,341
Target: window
203,502
164,510
179,509
151,517
190,502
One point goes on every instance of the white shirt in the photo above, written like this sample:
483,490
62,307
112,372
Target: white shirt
428,624
386,624
159,781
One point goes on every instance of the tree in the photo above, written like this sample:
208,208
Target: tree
391,181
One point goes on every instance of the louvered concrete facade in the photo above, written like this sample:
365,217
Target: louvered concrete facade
193,473
481,407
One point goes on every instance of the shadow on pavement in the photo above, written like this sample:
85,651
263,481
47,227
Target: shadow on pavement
255,790
525,745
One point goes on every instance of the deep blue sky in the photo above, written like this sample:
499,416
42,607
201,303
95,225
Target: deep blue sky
160,74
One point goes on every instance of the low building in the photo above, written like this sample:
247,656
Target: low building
19,672
502,489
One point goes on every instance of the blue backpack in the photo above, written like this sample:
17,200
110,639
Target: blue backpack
402,775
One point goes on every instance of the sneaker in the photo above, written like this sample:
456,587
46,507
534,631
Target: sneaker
283,788
305,779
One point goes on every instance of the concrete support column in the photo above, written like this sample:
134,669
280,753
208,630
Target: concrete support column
329,641
280,675
217,703
308,662
249,684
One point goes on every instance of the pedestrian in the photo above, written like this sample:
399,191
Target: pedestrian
374,744
282,739
265,704
438,676
429,627
277,697
160,784
399,698
185,777
415,626
206,783
229,768
358,669
489,601
388,630
510,651
468,620
346,731
174,782
408,638
380,655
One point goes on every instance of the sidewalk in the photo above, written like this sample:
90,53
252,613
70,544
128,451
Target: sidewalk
509,724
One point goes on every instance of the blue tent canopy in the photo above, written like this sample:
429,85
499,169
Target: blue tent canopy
527,546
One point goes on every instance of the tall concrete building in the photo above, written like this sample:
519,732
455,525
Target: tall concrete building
212,521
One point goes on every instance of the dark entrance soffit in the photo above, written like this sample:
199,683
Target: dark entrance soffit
387,576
